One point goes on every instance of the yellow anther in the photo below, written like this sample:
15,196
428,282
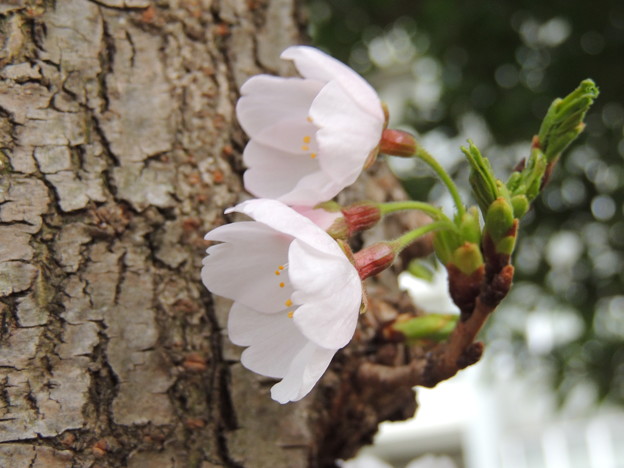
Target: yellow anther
309,119
307,139
305,148
282,285
313,155
288,303
291,314
281,267
277,272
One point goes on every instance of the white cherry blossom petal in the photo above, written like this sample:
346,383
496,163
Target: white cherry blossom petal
239,270
268,99
277,349
307,367
328,291
319,216
344,144
296,137
316,65
273,340
312,189
287,221
273,172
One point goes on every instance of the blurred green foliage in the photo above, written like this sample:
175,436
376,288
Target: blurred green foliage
505,62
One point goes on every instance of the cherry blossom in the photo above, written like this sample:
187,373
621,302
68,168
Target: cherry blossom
311,136
296,294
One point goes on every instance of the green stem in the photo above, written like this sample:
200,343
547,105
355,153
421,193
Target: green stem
443,175
391,207
406,239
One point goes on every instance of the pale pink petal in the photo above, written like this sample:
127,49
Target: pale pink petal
244,267
328,291
315,64
319,216
272,173
291,136
269,99
278,349
333,108
284,219
306,369
273,340
290,178
346,136
312,189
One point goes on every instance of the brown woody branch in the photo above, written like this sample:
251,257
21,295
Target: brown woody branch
460,351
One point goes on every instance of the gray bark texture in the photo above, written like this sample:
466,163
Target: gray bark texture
119,151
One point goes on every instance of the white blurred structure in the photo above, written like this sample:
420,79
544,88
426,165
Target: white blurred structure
503,424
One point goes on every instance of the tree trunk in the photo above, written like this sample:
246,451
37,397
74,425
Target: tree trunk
119,152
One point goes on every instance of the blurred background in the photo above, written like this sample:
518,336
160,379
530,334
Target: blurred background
550,390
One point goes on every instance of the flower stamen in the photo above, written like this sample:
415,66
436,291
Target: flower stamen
288,303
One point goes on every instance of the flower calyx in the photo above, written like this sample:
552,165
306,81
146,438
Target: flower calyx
397,143
355,218
374,259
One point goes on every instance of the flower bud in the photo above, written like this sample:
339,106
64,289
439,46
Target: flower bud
444,243
467,258
484,184
500,232
521,205
499,219
374,259
355,218
470,227
564,120
361,216
397,143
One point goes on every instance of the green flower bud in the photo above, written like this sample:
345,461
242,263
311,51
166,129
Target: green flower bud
564,120
499,219
506,245
521,205
470,226
444,243
482,179
467,258
514,181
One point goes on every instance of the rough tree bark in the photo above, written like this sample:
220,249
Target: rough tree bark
119,150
